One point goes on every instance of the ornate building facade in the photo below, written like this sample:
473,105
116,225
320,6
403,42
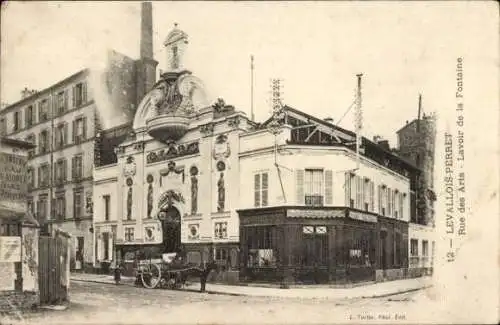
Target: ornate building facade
286,200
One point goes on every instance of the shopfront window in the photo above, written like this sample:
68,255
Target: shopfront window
361,248
315,246
261,243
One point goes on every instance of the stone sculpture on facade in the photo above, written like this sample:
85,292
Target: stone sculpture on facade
150,199
129,203
194,190
221,193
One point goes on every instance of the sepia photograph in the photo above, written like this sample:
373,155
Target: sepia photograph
249,162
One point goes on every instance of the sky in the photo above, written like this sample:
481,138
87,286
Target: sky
316,48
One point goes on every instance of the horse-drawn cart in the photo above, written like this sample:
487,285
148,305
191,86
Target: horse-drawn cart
170,272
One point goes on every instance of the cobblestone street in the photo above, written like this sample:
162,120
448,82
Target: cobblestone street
93,303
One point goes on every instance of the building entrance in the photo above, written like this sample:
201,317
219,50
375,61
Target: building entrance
171,227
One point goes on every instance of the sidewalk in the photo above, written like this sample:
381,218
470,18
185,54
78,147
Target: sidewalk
374,290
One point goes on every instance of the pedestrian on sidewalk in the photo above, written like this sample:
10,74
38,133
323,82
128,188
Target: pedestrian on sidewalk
117,269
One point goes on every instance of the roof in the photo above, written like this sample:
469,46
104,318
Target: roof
350,133
44,91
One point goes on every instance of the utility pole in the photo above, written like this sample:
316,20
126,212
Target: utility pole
359,119
252,117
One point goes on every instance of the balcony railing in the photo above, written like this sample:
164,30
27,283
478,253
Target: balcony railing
314,200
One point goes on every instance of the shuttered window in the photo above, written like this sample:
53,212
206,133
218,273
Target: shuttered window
299,175
389,202
328,187
264,189
359,193
261,189
372,197
77,167
313,187
79,94
347,188
79,130
256,190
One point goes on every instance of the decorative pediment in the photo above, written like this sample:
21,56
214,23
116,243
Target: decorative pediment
233,122
207,129
173,151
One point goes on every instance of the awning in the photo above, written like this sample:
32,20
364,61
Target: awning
362,216
24,217
316,214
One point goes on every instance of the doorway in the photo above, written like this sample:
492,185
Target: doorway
383,249
171,227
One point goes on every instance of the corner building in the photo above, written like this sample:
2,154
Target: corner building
281,201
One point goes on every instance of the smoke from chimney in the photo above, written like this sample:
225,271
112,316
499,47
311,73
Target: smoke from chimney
146,30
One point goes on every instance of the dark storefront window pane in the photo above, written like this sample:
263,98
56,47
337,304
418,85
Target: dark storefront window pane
262,248
315,246
361,250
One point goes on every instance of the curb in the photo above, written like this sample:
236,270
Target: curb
211,292
250,295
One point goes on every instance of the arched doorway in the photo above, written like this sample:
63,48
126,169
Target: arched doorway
171,227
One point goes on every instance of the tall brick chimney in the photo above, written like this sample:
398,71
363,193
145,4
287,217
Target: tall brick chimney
146,65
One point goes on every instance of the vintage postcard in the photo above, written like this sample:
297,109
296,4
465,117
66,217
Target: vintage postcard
249,162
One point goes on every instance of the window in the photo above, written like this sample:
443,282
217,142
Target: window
350,189
414,252
367,194
382,197
31,206
313,187
425,248
43,142
105,241
402,204
314,251
60,207
31,178
396,203
80,245
61,101
43,110
79,94
389,202
107,200
31,139
43,175
398,244
3,127
60,171
414,247
61,135
29,116
17,121
261,190
220,230
77,204
261,245
129,234
41,209
221,254
79,130
77,167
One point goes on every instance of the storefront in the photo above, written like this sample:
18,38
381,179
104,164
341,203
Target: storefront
319,245
19,230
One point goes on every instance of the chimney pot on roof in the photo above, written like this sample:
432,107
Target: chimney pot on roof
328,119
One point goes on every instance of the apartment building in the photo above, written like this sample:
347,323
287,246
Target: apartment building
64,122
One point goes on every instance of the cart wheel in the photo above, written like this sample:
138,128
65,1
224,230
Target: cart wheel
151,276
